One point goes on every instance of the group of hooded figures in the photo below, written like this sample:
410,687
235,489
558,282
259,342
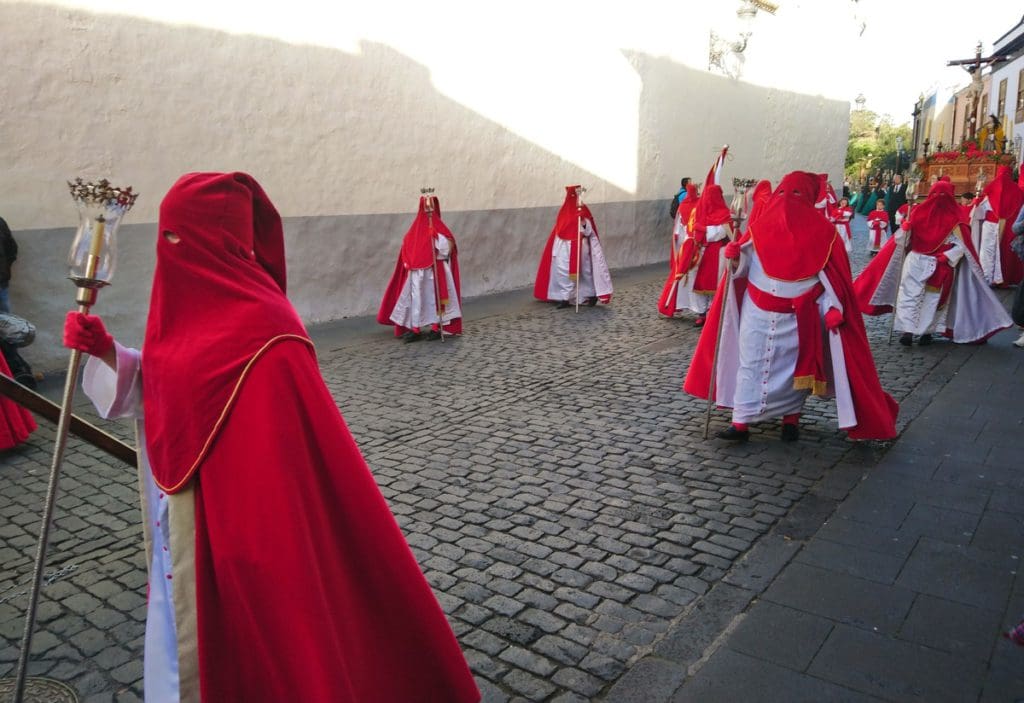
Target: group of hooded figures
781,311
276,569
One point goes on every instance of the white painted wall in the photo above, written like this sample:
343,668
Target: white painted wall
344,120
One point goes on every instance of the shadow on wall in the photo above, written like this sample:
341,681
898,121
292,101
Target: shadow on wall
341,142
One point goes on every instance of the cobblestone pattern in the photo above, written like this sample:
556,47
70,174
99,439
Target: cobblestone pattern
546,469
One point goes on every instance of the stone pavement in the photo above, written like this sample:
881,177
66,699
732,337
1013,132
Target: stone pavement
584,541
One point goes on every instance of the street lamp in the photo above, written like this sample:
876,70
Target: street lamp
899,155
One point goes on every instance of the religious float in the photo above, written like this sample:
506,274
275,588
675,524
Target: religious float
968,168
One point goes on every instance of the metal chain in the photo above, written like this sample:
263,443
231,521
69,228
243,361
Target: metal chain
48,580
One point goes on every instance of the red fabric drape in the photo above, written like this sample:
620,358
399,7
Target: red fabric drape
306,588
16,423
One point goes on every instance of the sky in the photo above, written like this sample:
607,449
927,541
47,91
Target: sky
906,44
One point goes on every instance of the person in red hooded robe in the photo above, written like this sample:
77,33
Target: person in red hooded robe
668,300
878,227
700,262
573,255
415,298
276,570
991,223
930,274
789,326
840,216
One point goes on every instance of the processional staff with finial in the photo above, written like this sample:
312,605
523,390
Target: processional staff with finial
91,260
580,190
713,179
428,193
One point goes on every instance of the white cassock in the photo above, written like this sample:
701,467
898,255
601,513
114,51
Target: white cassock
594,277
985,236
119,395
972,311
917,309
687,298
416,306
768,346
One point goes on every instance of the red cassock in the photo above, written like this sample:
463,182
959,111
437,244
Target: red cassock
794,242
1006,199
418,252
305,588
16,423
878,224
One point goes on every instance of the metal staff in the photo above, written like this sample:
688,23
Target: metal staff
718,343
438,305
579,243
101,207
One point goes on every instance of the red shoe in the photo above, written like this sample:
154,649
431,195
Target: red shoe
699,322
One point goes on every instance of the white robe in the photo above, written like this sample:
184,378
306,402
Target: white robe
686,297
416,306
768,348
917,309
972,312
987,243
594,278
119,395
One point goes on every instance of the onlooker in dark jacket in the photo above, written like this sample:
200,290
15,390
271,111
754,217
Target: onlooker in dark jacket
8,254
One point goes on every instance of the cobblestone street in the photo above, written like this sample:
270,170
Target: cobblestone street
546,469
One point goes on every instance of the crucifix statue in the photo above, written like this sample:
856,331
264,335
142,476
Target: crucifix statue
974,67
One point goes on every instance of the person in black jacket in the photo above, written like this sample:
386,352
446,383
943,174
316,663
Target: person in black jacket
8,255
895,197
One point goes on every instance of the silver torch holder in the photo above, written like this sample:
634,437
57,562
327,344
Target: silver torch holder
91,261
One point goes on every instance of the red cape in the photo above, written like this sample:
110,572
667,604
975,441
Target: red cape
16,423
305,588
418,252
875,409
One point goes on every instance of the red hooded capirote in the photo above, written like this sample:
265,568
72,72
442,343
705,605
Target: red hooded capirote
294,578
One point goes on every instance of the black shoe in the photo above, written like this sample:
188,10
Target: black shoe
925,340
699,322
906,339
562,304
411,336
790,432
433,334
592,301
733,435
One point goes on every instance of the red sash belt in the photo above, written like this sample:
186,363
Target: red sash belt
810,361
941,279
991,216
